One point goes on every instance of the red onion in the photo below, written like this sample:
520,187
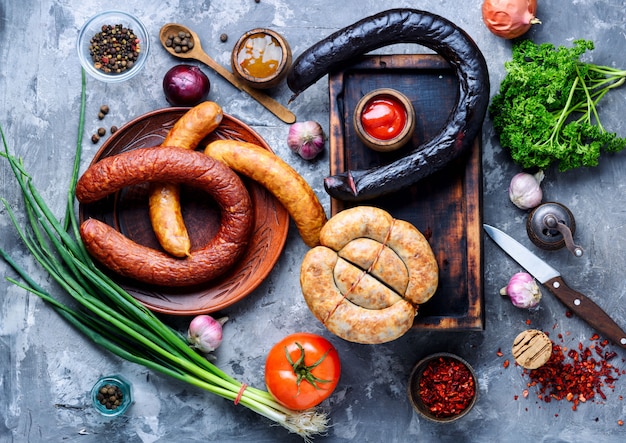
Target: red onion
306,139
185,85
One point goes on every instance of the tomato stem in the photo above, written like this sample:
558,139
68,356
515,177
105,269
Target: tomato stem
303,371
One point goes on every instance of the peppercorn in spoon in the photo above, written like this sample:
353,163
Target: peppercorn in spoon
195,51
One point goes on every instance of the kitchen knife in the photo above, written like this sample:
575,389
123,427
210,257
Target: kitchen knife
552,280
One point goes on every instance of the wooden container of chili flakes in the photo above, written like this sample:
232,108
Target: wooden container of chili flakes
443,387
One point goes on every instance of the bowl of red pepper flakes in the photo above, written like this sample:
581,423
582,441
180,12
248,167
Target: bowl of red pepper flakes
443,387
113,46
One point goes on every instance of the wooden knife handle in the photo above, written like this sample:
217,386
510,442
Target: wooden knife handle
586,309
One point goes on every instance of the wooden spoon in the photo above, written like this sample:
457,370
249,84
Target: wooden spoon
197,53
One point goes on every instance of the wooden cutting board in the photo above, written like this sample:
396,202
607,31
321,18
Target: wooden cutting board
447,206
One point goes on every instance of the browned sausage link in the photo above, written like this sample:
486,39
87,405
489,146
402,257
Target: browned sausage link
289,187
177,166
166,216
165,211
194,125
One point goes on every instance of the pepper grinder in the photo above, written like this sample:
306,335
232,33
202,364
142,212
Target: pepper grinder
551,226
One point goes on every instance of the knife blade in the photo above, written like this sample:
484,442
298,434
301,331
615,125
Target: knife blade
578,303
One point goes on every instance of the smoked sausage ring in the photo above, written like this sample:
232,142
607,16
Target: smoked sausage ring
368,277
175,165
464,123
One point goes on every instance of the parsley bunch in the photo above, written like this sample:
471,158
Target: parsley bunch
545,111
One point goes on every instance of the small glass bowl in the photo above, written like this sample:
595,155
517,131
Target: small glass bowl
405,134
117,381
414,387
278,75
94,25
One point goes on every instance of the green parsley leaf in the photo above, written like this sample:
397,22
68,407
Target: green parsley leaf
545,111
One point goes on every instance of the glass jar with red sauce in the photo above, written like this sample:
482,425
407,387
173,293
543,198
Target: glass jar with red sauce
384,120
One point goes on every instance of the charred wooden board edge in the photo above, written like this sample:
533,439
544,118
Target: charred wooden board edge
474,318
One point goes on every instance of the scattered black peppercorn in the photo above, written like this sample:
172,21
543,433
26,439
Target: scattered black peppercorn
223,37
100,115
102,132
115,49
104,109
113,129
95,139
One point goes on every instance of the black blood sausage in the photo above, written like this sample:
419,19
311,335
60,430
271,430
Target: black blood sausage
464,122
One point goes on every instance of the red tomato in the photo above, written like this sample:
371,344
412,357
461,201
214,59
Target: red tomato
302,370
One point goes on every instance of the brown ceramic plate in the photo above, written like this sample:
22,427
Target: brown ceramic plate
127,211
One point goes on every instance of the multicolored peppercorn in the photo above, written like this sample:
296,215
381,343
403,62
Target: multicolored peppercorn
115,49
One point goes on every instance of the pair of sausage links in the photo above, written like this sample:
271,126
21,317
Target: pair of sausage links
463,124
280,179
165,211
366,280
175,165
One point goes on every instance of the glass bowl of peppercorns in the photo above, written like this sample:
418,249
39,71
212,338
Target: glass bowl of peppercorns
113,46
442,387
112,395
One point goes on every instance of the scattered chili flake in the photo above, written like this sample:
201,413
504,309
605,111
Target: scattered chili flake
528,321
620,422
446,387
505,364
586,375
499,353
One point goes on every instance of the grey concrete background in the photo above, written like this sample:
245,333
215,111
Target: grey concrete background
47,369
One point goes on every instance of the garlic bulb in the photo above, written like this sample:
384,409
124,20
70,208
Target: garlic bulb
306,139
523,290
525,190
205,333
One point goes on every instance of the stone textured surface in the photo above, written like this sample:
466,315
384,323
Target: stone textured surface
47,369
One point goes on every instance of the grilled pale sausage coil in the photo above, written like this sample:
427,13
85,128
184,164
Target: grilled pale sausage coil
368,277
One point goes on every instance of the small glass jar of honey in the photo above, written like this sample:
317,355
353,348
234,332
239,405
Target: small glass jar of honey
261,58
